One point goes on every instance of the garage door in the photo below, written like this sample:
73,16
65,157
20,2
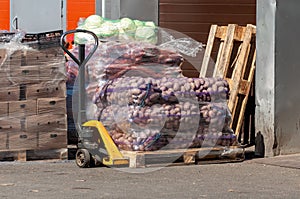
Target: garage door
194,17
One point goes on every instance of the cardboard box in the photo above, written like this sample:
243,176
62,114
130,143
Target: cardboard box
53,72
25,75
46,90
22,140
12,124
3,109
46,122
51,105
22,108
52,140
3,140
10,93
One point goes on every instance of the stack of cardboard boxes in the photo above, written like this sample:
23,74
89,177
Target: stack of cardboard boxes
32,97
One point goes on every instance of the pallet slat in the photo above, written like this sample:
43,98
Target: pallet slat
36,154
139,159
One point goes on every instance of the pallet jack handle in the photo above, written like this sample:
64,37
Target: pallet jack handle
81,61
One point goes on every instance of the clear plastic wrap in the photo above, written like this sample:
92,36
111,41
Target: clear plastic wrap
137,90
32,95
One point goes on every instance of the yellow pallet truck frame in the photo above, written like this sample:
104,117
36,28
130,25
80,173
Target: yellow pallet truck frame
95,146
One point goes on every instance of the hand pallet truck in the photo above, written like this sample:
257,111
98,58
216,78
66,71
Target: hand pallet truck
95,146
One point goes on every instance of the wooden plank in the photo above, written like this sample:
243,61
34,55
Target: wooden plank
138,159
22,108
51,105
208,50
222,32
31,155
239,69
8,155
46,90
226,52
47,154
247,91
236,64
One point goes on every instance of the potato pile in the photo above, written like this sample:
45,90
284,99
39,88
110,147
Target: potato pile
148,113
150,91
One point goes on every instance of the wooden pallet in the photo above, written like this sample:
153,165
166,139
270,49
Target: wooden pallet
29,155
235,62
140,159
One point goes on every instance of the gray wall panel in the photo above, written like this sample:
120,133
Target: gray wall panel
287,70
265,72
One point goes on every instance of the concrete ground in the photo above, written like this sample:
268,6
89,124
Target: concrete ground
258,178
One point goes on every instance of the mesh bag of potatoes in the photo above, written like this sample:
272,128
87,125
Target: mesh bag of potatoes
154,113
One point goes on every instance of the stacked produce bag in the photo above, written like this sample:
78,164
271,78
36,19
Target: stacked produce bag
137,90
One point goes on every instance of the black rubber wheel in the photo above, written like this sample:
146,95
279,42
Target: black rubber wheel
83,158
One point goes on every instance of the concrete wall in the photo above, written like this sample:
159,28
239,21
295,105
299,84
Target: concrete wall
287,80
278,76
265,72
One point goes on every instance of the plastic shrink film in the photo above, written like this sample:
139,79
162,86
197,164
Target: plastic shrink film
137,90
32,95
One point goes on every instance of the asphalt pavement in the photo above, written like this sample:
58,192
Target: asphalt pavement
257,178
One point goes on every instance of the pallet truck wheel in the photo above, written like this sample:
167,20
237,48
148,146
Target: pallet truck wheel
83,158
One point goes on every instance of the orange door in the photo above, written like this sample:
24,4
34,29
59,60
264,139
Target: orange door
77,9
4,14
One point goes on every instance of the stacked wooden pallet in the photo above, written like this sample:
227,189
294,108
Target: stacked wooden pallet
235,48
32,101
